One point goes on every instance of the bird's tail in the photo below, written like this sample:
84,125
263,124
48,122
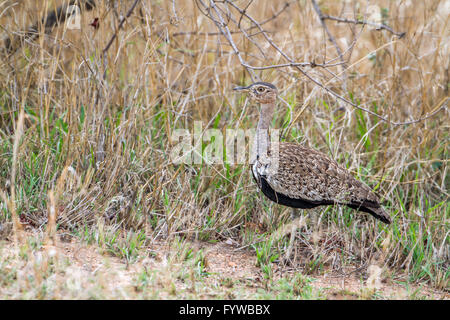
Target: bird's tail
376,211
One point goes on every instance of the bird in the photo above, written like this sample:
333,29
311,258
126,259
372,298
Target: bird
300,177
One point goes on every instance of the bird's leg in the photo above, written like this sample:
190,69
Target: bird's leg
294,222
294,214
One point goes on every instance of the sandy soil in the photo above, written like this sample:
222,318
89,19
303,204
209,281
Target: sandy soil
86,268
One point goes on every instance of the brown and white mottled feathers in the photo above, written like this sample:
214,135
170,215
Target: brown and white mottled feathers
307,178
303,177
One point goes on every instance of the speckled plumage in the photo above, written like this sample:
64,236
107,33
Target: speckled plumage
306,178
315,179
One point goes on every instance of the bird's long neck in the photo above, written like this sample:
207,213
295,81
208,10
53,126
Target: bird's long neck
265,116
262,131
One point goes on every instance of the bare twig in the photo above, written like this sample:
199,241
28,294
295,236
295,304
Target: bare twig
100,153
225,31
174,10
377,26
120,26
114,36
219,22
275,15
293,64
330,36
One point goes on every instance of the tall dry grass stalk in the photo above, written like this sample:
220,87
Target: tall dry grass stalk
11,202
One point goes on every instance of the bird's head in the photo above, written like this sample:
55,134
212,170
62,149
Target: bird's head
262,92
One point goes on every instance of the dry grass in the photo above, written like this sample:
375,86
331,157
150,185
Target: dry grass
93,154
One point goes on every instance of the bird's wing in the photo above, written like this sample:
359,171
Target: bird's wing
308,174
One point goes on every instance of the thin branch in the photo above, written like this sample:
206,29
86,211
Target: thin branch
293,64
378,26
55,17
174,19
100,153
245,9
108,45
270,41
275,15
330,36
114,36
120,26
223,28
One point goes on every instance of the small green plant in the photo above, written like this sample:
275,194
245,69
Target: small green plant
129,247
296,287
267,270
314,265
201,264
300,284
116,242
265,252
144,279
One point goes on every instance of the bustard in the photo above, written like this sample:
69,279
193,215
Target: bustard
303,178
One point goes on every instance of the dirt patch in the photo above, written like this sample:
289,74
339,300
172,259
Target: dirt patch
86,271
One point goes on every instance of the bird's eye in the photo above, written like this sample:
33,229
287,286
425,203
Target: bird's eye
260,89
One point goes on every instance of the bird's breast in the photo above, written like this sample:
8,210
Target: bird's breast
266,171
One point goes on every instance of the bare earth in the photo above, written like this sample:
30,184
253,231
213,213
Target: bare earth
86,271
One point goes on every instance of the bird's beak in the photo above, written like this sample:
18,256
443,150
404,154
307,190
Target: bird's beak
241,88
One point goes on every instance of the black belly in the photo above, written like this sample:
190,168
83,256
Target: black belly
283,199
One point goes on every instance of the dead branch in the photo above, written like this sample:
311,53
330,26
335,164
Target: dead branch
330,36
223,28
324,17
130,11
377,26
215,14
274,16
